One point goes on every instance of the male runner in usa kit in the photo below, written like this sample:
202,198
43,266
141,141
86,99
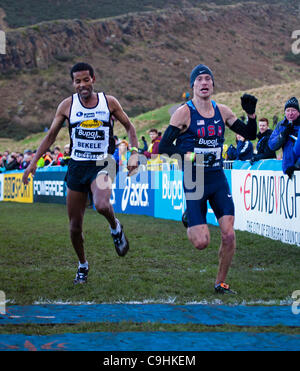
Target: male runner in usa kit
91,136
197,129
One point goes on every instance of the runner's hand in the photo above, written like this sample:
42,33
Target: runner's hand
248,103
31,169
133,164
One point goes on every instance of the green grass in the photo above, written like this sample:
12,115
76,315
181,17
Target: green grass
38,265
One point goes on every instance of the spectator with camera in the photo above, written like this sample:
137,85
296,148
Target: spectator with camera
286,135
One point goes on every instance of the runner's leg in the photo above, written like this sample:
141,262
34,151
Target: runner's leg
227,248
76,204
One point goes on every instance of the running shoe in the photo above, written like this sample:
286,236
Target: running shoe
223,288
184,219
81,275
121,242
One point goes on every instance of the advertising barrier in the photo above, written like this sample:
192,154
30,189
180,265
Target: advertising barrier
15,190
266,201
169,200
50,186
133,195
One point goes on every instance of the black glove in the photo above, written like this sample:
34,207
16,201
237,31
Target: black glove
285,133
290,171
248,103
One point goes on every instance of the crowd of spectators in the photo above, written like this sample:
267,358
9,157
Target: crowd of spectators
20,160
285,136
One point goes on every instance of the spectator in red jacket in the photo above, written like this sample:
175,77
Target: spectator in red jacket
153,147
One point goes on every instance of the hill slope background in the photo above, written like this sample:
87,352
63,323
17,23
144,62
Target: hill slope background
270,103
20,13
144,59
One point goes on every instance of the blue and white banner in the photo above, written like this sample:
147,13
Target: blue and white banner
169,195
133,195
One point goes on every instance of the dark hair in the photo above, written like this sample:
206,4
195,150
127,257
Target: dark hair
265,120
153,131
82,67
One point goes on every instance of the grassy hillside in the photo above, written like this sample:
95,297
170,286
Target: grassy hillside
21,13
271,101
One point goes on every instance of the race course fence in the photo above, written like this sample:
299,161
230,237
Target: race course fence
266,201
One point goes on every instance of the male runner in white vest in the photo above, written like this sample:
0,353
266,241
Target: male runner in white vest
91,136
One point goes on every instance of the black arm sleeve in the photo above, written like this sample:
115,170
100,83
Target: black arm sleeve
248,131
166,145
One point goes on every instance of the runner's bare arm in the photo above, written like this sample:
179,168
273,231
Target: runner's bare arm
59,118
117,110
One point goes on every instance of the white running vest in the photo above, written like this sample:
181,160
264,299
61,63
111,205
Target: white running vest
90,129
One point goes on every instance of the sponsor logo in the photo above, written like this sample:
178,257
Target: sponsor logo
49,188
89,134
136,194
216,121
274,195
208,142
91,124
79,114
15,190
173,190
89,115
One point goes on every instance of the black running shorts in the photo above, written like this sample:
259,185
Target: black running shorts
217,193
80,176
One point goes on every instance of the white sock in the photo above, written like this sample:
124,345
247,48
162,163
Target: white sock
118,228
84,265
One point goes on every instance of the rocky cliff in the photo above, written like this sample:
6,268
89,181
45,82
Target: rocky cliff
144,59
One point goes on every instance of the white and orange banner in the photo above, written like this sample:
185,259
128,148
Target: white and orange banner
267,203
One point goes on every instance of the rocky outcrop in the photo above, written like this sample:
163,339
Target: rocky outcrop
40,45
144,59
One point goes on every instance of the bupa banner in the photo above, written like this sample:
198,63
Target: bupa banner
50,187
134,194
169,195
267,203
